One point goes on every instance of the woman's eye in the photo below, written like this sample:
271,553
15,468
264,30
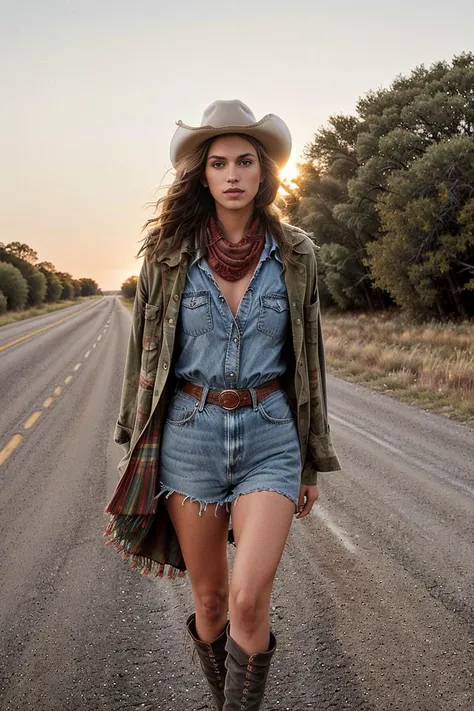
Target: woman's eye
217,163
249,162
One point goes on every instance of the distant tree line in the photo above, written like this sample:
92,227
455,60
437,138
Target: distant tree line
129,287
388,194
25,282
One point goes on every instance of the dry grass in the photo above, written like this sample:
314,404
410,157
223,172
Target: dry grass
128,303
13,316
430,364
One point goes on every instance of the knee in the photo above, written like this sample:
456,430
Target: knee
212,603
247,608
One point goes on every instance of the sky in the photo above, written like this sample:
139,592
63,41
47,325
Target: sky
90,92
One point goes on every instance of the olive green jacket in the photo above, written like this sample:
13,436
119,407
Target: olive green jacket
148,381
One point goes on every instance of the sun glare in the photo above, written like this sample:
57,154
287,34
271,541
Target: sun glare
289,172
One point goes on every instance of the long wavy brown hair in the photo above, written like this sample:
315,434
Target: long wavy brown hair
187,206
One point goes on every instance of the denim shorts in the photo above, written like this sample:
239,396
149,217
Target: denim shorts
213,455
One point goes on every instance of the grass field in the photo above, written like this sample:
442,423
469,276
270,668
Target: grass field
430,365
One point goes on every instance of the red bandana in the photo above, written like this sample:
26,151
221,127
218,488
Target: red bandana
233,260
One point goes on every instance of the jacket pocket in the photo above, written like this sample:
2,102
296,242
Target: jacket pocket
195,313
273,314
151,337
311,316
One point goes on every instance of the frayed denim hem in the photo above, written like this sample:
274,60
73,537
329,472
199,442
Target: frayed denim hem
202,504
232,501
263,488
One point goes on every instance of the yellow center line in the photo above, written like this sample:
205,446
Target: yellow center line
48,401
40,330
10,447
32,419
77,366
68,379
57,391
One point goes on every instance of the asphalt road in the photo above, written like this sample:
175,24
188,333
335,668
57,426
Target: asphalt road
373,603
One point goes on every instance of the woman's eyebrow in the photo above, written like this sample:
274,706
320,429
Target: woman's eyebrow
244,155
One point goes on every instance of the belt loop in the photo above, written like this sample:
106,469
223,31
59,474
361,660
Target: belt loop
253,395
202,401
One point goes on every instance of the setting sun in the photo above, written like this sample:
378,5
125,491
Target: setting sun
289,172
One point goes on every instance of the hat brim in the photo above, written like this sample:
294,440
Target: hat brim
271,131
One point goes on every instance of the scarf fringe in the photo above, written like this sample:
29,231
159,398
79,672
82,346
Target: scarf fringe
118,533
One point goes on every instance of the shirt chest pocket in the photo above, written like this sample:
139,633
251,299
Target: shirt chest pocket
195,313
273,315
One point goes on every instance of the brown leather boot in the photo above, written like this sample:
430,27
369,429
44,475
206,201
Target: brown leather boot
212,656
246,676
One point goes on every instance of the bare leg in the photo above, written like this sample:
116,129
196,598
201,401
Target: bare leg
261,522
203,541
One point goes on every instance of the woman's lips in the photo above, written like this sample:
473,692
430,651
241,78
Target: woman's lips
234,193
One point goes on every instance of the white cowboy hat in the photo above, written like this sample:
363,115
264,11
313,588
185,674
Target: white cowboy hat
233,117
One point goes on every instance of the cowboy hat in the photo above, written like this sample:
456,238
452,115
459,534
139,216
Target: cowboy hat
233,117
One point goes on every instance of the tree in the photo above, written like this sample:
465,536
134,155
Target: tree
22,251
13,286
129,287
89,287
349,194
425,256
37,288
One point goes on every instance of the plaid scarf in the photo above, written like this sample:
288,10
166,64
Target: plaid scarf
139,524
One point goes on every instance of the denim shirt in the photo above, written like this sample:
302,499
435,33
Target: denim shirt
218,350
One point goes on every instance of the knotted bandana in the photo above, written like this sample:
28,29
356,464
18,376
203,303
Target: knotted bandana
232,260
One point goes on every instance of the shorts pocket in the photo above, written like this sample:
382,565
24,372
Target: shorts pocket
182,409
275,408
195,313
273,314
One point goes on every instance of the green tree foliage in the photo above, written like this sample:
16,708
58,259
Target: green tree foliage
34,278
391,185
129,287
89,287
67,291
13,286
22,251
425,255
37,287
3,303
53,285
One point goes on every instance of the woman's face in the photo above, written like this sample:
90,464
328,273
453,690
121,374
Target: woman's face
233,173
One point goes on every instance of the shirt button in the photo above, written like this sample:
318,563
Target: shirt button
231,375
176,297
298,321
171,320
165,366
236,340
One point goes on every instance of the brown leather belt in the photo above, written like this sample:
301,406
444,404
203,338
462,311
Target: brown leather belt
229,399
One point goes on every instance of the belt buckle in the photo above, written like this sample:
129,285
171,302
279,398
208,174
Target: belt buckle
231,396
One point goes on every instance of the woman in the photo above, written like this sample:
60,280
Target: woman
224,412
